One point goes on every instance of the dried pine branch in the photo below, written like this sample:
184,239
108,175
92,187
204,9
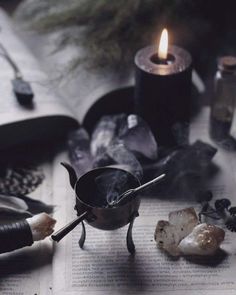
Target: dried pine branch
112,31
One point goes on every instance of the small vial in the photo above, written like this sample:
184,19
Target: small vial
223,102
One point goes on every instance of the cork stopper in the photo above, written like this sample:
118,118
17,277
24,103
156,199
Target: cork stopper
227,64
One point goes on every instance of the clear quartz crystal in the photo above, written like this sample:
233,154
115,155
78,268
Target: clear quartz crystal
137,137
79,151
205,239
223,102
121,155
103,134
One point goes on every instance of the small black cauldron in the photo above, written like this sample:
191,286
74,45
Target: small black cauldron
92,203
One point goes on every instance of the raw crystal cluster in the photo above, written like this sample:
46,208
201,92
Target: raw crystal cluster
184,167
136,136
79,151
127,142
203,240
123,156
168,234
182,235
116,140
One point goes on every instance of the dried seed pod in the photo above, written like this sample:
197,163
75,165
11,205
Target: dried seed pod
20,181
222,204
231,223
232,211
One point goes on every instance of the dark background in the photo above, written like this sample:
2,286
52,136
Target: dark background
9,5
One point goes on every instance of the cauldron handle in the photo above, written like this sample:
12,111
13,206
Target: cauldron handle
72,173
68,228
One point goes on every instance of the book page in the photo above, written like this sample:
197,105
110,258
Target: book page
82,87
28,270
88,87
105,266
45,102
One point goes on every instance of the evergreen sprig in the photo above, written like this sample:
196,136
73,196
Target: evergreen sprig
110,31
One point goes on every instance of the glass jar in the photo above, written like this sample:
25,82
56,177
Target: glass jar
223,101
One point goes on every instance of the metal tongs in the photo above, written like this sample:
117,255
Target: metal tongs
123,198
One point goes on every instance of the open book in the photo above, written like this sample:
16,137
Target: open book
104,266
57,107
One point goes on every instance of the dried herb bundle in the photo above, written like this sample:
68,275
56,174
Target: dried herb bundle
109,31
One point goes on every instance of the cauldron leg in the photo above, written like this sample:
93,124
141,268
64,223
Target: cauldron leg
83,236
129,239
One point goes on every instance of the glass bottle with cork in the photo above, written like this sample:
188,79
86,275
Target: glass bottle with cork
223,102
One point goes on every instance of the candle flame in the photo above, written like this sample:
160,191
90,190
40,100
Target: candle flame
163,45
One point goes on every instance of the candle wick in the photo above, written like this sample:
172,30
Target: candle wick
156,59
162,61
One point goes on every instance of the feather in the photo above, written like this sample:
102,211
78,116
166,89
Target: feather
12,203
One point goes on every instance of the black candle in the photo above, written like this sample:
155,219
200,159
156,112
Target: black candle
163,90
